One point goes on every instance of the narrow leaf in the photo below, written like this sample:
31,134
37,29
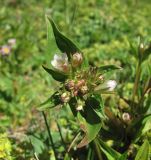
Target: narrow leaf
63,43
51,102
90,124
58,76
110,153
143,152
108,68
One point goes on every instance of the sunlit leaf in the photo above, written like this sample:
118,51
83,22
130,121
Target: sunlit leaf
143,152
110,153
90,124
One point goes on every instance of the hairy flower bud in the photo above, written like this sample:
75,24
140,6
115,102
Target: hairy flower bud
80,83
126,117
80,105
77,59
84,89
70,85
101,78
79,108
141,47
65,97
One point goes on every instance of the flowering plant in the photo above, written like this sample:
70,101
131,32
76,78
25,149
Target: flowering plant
81,88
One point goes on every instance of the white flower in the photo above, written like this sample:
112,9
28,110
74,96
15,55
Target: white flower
111,84
60,62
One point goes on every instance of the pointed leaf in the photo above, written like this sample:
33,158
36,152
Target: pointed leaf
63,43
143,152
107,68
110,153
51,45
90,124
51,102
137,128
123,156
58,76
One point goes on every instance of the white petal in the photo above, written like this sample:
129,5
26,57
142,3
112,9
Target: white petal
54,63
111,84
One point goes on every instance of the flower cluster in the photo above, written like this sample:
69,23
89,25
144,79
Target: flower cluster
80,83
5,50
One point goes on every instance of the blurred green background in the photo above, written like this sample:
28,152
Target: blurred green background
101,28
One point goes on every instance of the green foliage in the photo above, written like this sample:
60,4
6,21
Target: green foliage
5,147
107,35
143,152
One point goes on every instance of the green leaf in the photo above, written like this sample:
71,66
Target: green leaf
110,153
97,105
123,156
51,45
107,68
51,102
143,152
146,53
133,49
63,43
58,76
90,124
37,144
138,127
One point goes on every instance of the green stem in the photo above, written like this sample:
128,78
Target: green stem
49,134
136,83
61,136
98,152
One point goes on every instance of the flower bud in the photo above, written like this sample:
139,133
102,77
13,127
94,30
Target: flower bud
70,85
80,83
79,108
126,117
77,59
80,105
84,89
141,48
101,78
65,97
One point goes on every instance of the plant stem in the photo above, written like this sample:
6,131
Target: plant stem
97,149
49,134
61,136
136,83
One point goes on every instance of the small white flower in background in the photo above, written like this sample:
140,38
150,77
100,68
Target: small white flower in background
77,59
12,41
126,117
5,50
111,84
60,62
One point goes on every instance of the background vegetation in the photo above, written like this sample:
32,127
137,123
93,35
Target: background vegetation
101,28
